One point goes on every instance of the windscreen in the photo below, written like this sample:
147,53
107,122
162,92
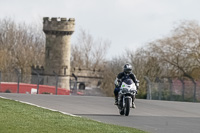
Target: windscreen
128,81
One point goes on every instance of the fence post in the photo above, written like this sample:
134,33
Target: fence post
159,88
18,79
195,86
0,81
183,88
170,85
38,80
148,87
194,94
56,81
75,84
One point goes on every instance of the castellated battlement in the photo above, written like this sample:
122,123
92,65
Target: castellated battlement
58,25
37,68
85,72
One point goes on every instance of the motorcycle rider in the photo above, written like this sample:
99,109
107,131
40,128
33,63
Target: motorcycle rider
127,73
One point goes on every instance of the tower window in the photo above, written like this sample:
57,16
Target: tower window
65,70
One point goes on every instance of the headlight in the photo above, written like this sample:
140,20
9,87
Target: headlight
124,90
133,91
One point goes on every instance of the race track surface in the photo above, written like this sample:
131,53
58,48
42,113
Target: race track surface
151,116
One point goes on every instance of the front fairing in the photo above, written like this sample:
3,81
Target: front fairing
128,88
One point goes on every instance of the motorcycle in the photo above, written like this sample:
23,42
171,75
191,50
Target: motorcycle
126,95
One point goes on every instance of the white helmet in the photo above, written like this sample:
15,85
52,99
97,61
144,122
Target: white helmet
127,68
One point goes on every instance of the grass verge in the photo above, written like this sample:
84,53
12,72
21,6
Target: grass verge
16,117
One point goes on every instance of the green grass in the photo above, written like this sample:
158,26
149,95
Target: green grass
16,117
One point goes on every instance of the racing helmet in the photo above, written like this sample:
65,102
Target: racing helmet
127,68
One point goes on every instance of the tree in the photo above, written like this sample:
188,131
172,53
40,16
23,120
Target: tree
172,56
144,64
88,52
180,51
112,68
21,45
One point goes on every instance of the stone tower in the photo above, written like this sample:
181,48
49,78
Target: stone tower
58,33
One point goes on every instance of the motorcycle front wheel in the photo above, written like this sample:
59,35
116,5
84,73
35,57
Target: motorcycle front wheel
127,106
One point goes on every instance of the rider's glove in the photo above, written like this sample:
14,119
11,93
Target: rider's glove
137,87
117,85
137,84
117,82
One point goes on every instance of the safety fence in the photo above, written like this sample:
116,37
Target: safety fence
173,89
15,82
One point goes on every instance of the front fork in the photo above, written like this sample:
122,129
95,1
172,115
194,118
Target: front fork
123,97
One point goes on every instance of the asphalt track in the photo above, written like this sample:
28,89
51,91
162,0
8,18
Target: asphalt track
151,116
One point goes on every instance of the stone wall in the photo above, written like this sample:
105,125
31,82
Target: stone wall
90,77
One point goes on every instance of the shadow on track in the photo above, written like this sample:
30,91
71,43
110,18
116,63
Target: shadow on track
96,115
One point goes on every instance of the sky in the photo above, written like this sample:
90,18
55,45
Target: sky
128,24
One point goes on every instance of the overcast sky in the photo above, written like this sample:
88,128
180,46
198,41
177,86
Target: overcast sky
128,24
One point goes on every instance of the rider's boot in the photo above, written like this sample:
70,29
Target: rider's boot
133,104
116,100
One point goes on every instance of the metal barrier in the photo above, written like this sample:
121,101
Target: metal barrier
16,82
173,89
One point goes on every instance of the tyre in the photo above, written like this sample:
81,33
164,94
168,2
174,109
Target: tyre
127,106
